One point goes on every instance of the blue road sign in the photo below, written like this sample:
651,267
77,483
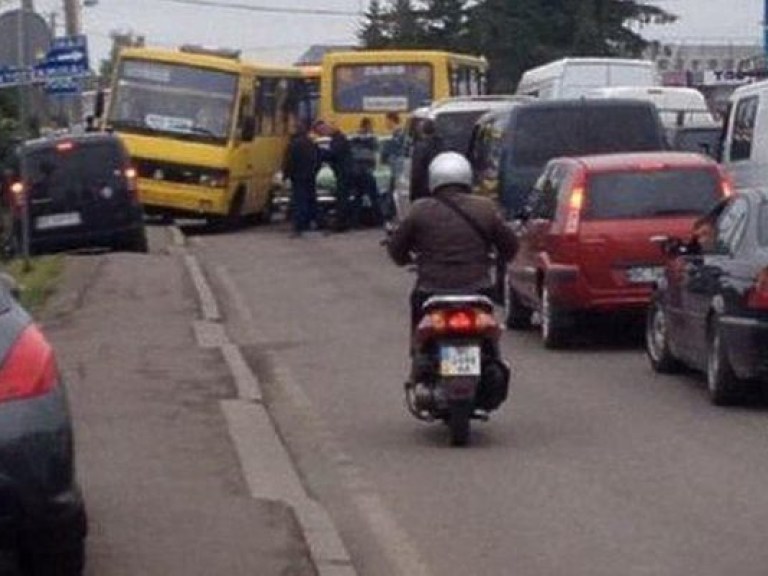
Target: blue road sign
62,86
66,58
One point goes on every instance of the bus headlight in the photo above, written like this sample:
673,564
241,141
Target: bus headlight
214,178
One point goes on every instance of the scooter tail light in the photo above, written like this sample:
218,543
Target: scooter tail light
29,368
757,297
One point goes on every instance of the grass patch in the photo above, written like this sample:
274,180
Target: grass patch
37,283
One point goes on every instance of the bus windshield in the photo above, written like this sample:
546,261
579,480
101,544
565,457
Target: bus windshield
171,99
381,87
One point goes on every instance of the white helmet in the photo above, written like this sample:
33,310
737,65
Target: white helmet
449,168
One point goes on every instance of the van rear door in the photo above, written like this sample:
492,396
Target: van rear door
78,184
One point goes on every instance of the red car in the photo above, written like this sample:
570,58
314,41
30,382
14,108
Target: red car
585,238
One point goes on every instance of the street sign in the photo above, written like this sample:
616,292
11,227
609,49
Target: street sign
62,86
67,58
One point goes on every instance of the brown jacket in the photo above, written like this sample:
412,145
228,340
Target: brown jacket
449,253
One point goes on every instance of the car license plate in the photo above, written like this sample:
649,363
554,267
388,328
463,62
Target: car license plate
61,220
644,274
460,360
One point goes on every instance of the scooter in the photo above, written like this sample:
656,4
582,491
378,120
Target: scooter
457,374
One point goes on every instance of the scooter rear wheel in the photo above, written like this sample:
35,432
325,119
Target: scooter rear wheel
459,424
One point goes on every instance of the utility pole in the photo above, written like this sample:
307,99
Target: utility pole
72,17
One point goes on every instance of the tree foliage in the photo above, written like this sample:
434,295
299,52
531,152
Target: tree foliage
513,34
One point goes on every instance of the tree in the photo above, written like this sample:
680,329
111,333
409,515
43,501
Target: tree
373,33
518,34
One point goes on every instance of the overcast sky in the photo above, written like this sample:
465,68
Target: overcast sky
281,38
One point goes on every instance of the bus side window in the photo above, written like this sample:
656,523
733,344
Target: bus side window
244,114
280,117
266,106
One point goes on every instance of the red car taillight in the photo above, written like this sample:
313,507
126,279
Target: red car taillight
29,368
575,205
726,184
462,321
757,297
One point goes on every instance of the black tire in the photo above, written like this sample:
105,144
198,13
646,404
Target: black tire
722,384
516,315
234,218
135,241
63,563
554,328
656,341
459,424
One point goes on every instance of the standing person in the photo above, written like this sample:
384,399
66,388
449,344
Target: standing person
339,157
300,167
426,149
392,155
365,148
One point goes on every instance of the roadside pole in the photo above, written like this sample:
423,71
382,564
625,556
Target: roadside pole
22,93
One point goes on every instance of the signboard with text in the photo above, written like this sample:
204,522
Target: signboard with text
67,58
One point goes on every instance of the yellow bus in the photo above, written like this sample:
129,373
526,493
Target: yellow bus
206,130
311,105
372,83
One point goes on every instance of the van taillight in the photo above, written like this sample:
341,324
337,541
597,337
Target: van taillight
131,177
575,205
757,297
17,195
29,368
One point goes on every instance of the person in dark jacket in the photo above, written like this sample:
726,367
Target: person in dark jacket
300,166
339,158
451,254
424,151
365,149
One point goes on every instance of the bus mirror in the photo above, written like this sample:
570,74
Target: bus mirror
248,129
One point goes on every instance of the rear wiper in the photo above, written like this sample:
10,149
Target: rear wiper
205,131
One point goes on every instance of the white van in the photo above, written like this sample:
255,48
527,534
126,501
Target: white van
575,77
745,140
677,106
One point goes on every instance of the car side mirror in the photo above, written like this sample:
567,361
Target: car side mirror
248,129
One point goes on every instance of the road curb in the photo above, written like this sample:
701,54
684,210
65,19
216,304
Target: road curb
257,441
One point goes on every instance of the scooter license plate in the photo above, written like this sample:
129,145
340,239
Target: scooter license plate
460,360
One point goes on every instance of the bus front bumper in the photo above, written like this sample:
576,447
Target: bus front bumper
181,199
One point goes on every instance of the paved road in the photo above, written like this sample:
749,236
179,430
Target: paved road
595,467
163,483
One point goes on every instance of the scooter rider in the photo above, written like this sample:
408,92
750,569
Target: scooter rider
451,235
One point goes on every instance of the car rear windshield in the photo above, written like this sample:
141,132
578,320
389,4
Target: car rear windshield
651,194
73,166
542,134
455,129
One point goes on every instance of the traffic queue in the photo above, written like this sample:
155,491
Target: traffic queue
604,217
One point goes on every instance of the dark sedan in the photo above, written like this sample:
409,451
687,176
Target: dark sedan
710,311
42,516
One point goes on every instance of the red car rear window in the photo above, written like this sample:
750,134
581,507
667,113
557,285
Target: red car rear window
651,194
